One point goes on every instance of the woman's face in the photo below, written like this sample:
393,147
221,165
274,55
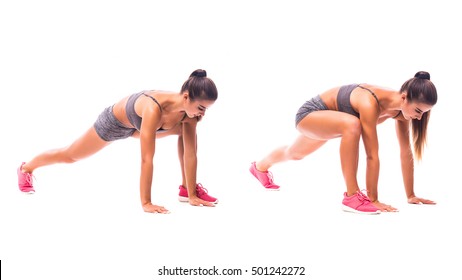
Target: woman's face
414,110
197,107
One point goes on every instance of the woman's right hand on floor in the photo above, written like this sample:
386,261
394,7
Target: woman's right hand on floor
195,201
150,208
384,207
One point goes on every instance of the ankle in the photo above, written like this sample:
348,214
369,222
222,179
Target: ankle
350,194
260,168
25,170
352,191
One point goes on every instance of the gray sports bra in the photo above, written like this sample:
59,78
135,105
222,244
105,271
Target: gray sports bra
132,116
343,99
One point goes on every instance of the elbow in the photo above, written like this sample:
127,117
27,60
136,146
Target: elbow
146,160
373,162
372,158
190,157
407,158
406,154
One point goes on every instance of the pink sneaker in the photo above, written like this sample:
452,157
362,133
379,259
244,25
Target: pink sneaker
358,203
25,181
201,192
265,178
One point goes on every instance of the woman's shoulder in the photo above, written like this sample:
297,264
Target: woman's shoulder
160,92
376,88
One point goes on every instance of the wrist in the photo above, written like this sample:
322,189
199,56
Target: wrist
144,203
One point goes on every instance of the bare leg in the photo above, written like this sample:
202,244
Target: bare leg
85,146
333,124
302,147
349,156
181,158
316,129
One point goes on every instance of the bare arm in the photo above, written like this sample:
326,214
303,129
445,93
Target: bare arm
150,121
190,160
369,112
369,116
406,156
407,162
190,155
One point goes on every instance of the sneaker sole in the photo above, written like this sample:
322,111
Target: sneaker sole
186,199
351,210
28,192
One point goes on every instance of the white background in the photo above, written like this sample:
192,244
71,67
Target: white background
63,62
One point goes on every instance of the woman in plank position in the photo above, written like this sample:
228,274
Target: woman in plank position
146,115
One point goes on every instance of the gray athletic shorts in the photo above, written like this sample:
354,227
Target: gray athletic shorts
314,104
109,128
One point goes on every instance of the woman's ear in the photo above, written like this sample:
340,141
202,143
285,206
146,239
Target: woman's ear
185,95
403,96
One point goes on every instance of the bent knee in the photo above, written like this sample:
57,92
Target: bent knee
352,127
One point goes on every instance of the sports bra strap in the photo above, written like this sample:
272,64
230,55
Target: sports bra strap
373,94
160,107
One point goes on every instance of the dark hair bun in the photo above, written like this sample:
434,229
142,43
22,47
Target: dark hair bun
199,73
422,75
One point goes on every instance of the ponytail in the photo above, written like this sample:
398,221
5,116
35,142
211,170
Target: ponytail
420,89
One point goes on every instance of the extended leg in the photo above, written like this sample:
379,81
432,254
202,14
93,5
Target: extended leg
85,146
